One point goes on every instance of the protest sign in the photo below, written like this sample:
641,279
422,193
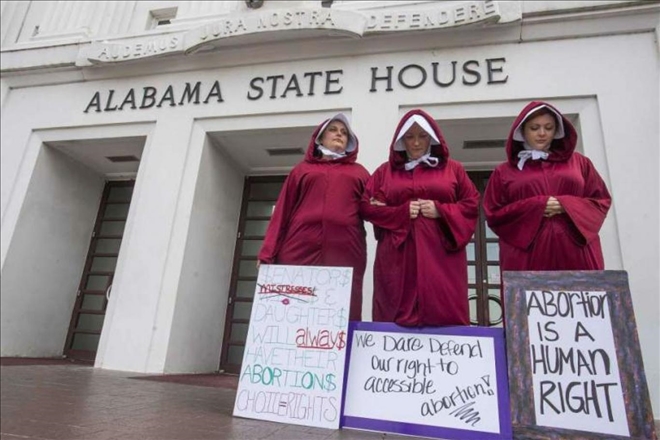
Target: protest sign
293,363
575,366
444,382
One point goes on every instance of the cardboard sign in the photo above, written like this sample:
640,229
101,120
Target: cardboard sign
293,363
445,382
575,365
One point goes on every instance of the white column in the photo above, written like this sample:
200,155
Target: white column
62,20
58,17
200,272
120,20
12,16
51,17
46,256
139,314
202,10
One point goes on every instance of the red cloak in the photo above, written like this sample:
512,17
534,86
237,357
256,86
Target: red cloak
515,200
420,271
316,221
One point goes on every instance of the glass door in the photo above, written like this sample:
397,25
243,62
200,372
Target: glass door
484,267
95,285
259,197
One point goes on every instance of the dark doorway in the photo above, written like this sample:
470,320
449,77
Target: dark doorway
95,285
259,197
483,254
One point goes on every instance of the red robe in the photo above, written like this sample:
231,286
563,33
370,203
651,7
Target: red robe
316,221
420,271
515,200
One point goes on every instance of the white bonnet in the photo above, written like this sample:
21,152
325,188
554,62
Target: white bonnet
351,144
559,133
423,123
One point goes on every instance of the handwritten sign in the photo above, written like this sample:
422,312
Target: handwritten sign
293,363
445,382
575,372
567,334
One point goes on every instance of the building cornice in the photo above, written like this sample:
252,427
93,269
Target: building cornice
340,32
299,24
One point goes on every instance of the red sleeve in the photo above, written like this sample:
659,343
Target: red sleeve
589,211
458,220
395,219
279,221
517,222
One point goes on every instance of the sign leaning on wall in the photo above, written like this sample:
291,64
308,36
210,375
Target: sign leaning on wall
293,363
575,365
444,382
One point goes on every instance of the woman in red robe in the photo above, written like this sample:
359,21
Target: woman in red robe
424,210
547,202
316,221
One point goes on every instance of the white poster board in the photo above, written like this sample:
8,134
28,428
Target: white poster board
574,359
445,382
293,363
575,371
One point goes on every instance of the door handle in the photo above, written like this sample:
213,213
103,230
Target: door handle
107,292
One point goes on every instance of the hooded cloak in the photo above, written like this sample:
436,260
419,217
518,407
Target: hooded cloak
316,221
515,200
420,271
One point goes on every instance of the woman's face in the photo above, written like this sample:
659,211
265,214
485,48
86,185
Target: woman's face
335,137
416,141
539,131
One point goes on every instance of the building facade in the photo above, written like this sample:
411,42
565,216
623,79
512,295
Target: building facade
144,144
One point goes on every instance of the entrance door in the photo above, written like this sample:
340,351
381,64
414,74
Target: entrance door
95,286
259,197
484,267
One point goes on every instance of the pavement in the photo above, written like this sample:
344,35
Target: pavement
55,399
58,399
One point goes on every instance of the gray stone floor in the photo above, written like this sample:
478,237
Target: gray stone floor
60,400
73,401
